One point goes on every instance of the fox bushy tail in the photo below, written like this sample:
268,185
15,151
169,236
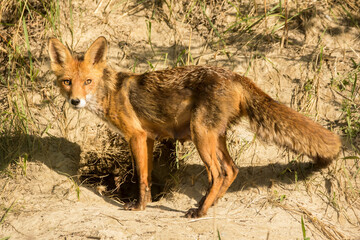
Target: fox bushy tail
276,122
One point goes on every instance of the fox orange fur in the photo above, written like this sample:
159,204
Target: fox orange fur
195,103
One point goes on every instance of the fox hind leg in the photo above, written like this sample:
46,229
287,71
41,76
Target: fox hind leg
227,164
206,142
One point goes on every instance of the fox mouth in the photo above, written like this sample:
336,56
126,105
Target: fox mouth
77,103
76,107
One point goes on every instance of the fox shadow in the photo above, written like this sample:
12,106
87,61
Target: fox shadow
56,153
64,156
250,177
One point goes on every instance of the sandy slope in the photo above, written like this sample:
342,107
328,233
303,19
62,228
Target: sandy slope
267,199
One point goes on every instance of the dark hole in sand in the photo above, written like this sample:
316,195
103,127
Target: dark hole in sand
112,172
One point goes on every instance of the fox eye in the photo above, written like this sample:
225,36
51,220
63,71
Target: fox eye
87,82
67,82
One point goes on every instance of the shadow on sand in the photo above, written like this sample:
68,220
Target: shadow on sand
64,157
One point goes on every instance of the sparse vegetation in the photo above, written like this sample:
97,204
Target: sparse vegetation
303,53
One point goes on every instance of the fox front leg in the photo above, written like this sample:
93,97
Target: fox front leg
139,150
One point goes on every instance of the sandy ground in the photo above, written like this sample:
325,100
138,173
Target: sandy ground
271,193
46,206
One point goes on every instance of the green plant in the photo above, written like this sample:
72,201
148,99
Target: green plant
22,162
20,80
148,26
350,105
303,229
7,210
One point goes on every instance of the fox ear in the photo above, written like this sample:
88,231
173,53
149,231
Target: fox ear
58,53
97,51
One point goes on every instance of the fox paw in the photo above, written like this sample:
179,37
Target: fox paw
133,206
194,213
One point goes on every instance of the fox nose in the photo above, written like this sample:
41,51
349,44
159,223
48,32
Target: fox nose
75,101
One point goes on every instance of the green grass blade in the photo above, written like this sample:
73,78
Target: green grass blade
26,35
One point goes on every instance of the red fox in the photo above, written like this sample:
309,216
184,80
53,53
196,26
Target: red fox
195,103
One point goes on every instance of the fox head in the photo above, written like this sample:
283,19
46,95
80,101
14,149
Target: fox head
78,78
